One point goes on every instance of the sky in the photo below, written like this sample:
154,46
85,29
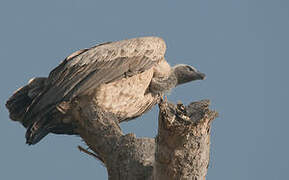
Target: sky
242,46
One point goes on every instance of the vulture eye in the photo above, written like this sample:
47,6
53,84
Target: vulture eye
191,69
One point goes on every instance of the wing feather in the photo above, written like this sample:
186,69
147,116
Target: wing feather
85,70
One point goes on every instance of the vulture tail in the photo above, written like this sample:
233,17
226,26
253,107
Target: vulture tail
20,101
49,122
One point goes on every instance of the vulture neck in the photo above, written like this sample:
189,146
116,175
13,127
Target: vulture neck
160,85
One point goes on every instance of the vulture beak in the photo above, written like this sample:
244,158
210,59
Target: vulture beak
201,76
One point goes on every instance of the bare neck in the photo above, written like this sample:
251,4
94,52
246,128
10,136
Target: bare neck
163,84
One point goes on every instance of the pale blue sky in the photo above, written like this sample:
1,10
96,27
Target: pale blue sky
242,46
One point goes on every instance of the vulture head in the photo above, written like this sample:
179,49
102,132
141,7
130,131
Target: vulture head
186,73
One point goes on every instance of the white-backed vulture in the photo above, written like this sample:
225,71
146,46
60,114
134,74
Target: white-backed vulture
125,78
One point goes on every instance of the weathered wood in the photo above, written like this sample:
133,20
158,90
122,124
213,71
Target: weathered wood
183,141
125,156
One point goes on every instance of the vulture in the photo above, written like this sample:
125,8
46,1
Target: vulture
125,78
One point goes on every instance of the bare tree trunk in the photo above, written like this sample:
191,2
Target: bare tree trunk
182,144
125,156
183,141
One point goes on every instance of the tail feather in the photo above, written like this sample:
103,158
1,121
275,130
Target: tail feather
20,101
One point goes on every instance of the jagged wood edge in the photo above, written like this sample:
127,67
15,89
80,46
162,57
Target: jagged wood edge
128,157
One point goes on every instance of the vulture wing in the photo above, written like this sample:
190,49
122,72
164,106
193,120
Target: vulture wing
83,71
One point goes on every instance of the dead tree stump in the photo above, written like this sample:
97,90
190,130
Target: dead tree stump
180,151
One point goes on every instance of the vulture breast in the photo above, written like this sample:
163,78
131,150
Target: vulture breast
127,97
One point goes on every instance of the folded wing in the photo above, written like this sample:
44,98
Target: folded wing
83,71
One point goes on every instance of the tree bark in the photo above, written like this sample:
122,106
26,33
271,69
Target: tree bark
125,156
183,141
181,150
